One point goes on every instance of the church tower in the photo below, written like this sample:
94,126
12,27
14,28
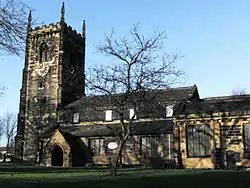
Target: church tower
53,76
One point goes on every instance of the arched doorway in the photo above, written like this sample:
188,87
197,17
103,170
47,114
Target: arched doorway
57,156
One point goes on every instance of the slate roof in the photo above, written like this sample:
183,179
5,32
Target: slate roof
237,103
163,95
111,129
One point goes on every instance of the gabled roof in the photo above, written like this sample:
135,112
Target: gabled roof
78,149
50,131
177,94
112,129
163,95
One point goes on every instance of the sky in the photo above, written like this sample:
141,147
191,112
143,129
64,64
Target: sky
212,36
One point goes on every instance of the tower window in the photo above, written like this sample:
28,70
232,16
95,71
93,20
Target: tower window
41,85
44,53
44,100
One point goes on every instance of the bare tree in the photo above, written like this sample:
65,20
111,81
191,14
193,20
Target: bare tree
2,89
8,125
140,71
239,92
13,24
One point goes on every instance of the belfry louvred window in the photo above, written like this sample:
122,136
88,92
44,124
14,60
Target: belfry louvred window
44,53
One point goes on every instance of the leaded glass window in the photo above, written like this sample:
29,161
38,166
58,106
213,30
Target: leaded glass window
198,141
97,147
150,145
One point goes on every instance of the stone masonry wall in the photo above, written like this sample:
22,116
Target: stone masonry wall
227,135
58,140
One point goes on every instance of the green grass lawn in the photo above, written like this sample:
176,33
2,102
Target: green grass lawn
14,176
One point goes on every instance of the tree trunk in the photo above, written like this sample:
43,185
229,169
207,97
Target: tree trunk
8,145
7,150
37,153
115,158
4,157
41,152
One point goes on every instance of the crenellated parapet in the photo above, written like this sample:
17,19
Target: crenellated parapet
73,30
55,28
74,34
46,29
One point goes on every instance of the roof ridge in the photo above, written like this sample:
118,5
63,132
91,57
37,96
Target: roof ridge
227,97
175,88
171,88
191,89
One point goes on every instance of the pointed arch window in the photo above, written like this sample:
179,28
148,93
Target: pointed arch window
43,52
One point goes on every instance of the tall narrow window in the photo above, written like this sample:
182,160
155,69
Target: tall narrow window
97,147
155,143
246,141
108,115
167,142
44,100
145,147
101,146
169,111
198,140
75,117
132,113
40,85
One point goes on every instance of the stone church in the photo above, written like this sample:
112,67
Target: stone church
56,127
